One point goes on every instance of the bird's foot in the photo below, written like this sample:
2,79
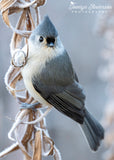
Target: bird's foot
29,106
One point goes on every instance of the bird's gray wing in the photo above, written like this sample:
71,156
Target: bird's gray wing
69,101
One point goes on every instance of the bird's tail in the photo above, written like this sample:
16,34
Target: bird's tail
93,131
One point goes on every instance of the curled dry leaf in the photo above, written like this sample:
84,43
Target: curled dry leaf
10,149
37,146
6,4
29,128
33,140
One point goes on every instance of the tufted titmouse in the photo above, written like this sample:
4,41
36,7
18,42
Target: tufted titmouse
50,78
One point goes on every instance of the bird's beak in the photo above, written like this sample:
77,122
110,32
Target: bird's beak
51,44
50,41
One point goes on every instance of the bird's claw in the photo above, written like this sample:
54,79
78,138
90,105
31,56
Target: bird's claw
28,106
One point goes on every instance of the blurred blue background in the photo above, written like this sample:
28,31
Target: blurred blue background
84,47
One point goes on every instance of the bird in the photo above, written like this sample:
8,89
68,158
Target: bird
51,80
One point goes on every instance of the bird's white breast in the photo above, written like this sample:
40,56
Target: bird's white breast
36,62
34,66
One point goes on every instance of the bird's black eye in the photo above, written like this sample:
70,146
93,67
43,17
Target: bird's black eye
41,39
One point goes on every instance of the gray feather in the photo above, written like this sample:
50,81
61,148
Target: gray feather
93,131
56,84
57,75
45,29
67,108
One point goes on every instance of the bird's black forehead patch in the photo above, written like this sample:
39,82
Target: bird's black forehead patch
46,28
